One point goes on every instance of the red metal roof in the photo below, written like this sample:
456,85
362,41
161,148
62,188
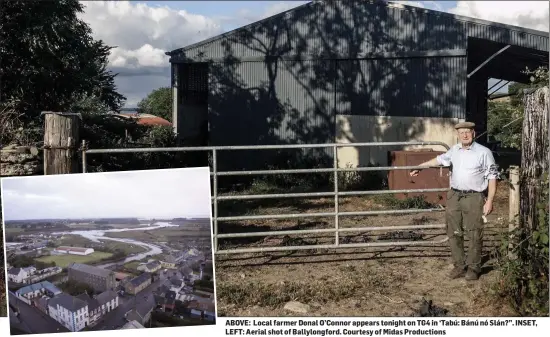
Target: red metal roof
74,249
146,119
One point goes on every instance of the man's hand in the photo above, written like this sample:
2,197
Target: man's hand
488,207
414,173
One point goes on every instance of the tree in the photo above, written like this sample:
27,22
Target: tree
505,118
158,103
50,61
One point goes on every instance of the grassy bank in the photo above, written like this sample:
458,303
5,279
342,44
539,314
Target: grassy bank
64,260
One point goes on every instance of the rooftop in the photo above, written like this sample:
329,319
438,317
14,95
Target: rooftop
153,264
74,249
132,325
106,296
85,268
39,286
14,271
92,302
145,119
68,302
140,279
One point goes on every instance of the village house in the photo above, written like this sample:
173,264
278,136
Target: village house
138,283
17,275
150,267
33,292
132,325
31,274
166,303
42,304
94,311
176,284
99,305
69,311
169,262
44,273
142,314
204,309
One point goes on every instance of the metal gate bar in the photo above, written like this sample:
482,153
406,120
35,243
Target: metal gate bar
335,194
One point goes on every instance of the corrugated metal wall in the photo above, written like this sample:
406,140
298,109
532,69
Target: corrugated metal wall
254,103
408,87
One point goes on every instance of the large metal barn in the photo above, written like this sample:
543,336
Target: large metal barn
346,71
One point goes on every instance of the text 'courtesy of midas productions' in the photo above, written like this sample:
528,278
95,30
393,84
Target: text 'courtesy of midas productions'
326,327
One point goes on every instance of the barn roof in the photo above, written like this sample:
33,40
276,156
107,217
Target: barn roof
310,5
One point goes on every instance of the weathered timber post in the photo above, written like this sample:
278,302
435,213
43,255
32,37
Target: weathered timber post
534,155
61,141
513,205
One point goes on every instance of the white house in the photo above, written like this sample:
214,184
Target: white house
69,311
150,267
17,275
108,301
73,250
44,273
99,305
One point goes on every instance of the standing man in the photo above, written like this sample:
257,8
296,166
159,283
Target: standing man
473,186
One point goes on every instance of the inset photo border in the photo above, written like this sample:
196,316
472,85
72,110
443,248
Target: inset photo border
109,251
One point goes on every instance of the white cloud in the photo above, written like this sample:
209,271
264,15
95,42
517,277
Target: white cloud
529,14
152,193
142,33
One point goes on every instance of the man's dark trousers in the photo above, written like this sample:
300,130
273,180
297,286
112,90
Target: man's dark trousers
464,213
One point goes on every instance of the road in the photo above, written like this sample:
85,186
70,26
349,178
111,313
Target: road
143,300
33,320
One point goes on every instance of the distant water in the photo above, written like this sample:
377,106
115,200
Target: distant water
98,235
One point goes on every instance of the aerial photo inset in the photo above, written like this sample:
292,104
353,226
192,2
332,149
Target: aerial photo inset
107,251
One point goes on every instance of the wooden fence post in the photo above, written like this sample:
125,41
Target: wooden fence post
514,204
61,142
534,155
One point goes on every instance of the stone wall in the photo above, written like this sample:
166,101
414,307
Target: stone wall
21,161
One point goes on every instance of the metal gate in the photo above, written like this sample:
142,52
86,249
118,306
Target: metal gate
335,193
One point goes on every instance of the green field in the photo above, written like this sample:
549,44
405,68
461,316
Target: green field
64,260
132,265
14,230
162,234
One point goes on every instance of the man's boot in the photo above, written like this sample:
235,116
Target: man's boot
471,275
457,272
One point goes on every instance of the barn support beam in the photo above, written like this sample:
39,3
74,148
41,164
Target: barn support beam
488,60
502,86
369,56
175,98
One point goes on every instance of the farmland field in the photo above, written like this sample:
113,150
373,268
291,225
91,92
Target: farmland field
163,234
64,260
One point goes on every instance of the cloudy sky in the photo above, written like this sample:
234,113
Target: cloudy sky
148,194
143,30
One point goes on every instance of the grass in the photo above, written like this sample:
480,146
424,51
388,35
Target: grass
132,265
64,260
163,234
14,230
252,293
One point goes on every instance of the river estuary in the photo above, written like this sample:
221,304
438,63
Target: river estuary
98,235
